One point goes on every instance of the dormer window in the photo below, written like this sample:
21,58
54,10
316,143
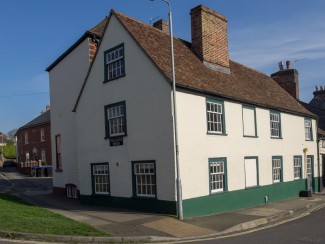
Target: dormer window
114,63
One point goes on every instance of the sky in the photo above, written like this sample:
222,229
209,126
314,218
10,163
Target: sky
261,33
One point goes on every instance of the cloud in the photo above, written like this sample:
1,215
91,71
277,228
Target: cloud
261,45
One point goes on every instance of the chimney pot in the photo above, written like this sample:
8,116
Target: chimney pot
281,66
161,25
316,88
48,107
288,64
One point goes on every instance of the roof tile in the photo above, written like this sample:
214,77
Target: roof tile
243,84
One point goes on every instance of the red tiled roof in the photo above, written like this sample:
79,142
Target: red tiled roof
242,84
99,29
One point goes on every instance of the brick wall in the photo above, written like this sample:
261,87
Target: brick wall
93,43
209,36
161,25
34,141
288,80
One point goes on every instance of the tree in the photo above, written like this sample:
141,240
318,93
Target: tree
9,151
11,134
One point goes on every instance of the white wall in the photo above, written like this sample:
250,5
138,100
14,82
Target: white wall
149,121
66,79
196,146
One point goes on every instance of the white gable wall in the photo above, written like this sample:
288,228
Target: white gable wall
196,146
66,79
148,113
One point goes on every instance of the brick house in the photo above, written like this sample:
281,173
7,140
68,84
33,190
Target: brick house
34,140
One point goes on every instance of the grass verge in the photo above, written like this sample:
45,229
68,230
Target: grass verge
18,216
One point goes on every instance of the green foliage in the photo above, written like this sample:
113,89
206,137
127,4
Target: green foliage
17,216
11,134
9,151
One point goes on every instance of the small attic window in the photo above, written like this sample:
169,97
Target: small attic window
114,63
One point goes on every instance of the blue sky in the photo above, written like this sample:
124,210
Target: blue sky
261,33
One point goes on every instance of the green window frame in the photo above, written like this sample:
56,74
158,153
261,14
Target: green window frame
246,131
308,129
144,178
215,112
100,178
115,120
275,124
297,167
218,179
114,63
277,169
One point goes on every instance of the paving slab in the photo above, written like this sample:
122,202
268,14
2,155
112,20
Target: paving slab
178,228
261,211
222,221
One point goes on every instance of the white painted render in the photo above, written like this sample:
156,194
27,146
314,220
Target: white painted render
66,79
148,113
196,146
321,145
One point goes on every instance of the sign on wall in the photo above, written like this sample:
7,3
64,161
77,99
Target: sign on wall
116,141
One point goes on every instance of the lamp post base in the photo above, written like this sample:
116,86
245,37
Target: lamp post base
306,193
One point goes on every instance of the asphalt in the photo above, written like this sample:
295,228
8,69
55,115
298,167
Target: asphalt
130,226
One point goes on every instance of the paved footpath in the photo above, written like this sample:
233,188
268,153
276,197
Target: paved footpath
130,225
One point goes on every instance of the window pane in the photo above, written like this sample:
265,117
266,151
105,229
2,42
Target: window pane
145,179
101,179
214,116
217,176
114,62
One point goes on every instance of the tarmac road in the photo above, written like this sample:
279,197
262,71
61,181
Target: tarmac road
307,229
10,181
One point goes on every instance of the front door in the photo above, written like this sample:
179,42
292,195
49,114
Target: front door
323,166
310,173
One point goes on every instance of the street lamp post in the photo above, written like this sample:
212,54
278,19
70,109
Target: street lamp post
176,148
2,159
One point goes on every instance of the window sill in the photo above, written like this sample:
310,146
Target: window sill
217,193
112,137
278,182
276,138
250,136
101,195
116,78
58,170
309,140
217,134
146,198
252,187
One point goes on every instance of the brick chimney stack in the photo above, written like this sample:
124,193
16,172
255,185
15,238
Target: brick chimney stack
287,79
210,38
318,100
161,25
93,45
